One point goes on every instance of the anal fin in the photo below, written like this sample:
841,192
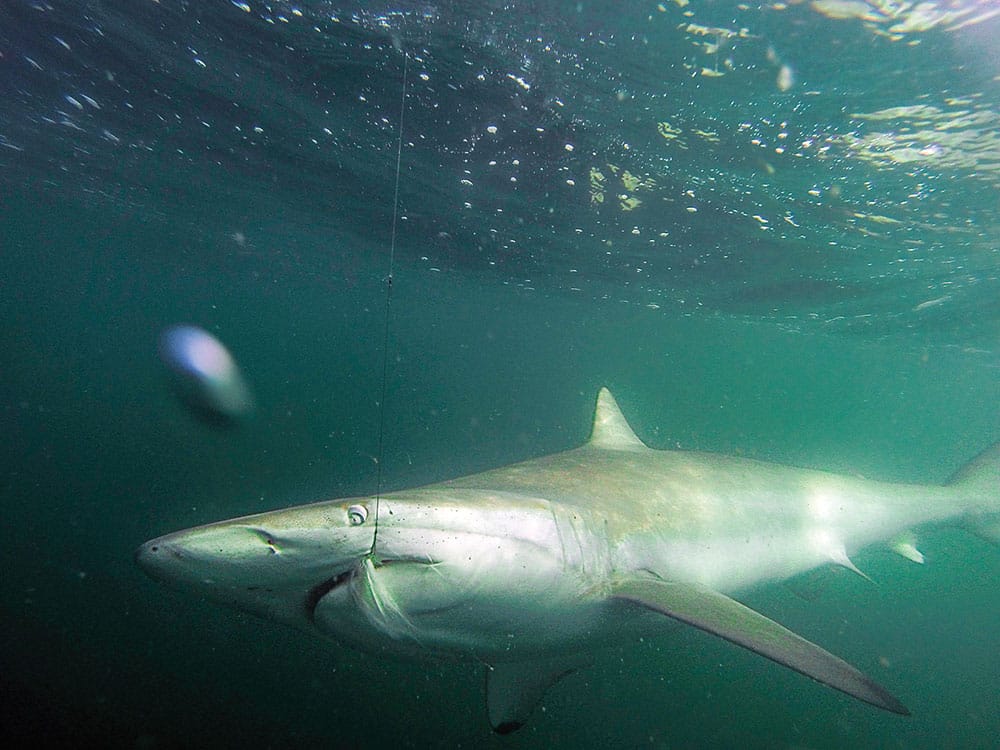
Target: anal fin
719,615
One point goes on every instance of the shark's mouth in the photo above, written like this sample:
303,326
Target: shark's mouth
320,590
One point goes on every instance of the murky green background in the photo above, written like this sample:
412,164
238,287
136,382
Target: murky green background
832,304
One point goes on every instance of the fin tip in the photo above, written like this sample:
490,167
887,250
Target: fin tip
507,727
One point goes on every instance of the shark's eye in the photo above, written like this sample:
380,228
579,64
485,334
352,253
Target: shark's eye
357,515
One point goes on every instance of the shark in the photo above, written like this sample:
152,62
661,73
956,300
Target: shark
530,567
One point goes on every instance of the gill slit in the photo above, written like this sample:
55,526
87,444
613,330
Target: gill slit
388,302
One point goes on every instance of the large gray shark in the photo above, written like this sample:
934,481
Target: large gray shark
528,567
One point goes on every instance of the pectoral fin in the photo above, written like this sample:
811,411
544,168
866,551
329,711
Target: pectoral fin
514,689
719,615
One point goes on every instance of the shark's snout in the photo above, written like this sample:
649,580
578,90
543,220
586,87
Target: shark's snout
143,552
158,557
149,553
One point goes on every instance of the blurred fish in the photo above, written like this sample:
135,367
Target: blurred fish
205,374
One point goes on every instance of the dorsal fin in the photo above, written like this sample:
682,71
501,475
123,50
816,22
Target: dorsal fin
611,430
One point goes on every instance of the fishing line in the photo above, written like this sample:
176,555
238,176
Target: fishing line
388,301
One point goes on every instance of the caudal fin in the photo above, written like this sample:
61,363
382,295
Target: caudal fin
979,480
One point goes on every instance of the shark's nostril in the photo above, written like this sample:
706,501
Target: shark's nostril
149,557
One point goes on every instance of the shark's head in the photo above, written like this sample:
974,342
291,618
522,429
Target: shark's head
274,564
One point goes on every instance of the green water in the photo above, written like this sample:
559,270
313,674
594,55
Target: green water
853,330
